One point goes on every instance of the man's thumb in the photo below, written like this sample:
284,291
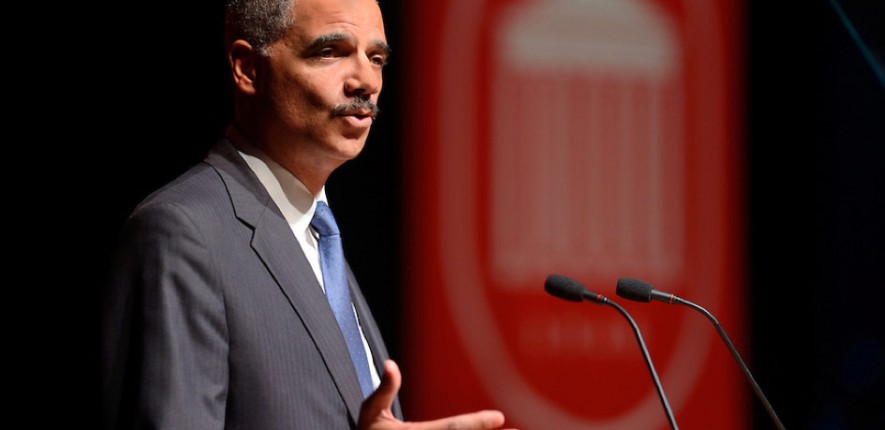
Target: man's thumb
381,401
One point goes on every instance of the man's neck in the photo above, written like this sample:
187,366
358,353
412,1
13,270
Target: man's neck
313,175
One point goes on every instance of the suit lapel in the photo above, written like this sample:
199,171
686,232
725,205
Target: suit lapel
367,324
372,333
285,261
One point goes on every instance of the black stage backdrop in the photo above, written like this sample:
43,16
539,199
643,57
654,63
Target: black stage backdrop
817,213
141,111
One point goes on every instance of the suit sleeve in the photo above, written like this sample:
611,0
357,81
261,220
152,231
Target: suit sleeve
165,339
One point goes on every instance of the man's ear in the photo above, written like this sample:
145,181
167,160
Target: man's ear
243,60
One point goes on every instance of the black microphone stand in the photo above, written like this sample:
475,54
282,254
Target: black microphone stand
737,357
651,369
571,290
641,291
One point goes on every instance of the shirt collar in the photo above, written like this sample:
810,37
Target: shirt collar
294,200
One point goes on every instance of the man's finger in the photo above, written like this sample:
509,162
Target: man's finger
482,420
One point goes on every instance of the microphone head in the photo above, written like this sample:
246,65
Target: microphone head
634,289
565,288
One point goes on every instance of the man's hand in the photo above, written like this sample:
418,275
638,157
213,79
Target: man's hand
376,414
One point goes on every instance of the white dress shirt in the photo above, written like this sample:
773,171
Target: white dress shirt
298,206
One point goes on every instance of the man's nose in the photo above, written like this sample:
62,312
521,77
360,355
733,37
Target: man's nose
365,77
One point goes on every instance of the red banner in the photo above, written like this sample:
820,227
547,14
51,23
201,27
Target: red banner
595,139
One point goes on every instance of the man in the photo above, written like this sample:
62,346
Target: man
217,314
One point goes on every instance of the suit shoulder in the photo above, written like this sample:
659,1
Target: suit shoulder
198,189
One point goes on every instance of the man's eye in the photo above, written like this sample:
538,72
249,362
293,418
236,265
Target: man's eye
326,52
379,60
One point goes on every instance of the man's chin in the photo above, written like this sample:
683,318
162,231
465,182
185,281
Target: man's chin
349,148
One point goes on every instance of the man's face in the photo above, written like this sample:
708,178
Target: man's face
322,79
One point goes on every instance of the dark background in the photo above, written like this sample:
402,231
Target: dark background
140,111
816,117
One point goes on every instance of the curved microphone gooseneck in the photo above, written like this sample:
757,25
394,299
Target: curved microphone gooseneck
640,291
571,290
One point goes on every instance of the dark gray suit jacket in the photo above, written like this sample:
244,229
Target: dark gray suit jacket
214,318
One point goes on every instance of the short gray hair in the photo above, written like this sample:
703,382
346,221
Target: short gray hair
259,22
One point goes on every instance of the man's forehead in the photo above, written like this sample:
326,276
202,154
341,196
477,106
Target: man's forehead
364,13
357,19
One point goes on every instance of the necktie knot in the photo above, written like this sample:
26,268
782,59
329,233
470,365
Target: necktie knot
323,221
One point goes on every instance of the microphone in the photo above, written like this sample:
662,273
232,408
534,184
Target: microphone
572,290
640,291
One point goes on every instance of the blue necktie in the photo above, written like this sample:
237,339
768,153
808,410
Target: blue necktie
338,292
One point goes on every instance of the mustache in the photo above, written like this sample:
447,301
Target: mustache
357,104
